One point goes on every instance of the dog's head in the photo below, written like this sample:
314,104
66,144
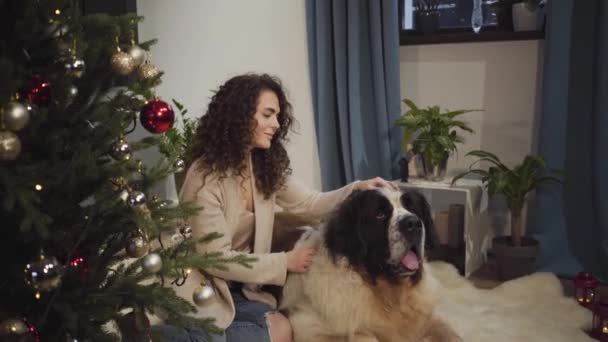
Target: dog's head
383,233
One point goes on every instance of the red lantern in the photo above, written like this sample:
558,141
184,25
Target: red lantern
38,91
585,285
600,320
157,116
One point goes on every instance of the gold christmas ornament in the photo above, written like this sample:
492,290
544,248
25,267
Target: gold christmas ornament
12,327
10,145
16,116
147,71
122,63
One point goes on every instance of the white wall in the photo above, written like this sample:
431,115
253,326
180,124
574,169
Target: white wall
202,43
502,78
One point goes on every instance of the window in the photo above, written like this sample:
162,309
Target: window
452,23
453,14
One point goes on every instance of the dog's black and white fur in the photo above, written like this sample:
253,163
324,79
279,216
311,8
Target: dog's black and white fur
367,281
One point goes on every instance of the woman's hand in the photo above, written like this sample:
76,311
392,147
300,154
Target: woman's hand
299,259
373,183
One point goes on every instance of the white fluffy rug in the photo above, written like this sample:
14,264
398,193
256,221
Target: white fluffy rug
531,308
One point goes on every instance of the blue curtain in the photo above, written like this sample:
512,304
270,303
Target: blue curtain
572,223
354,61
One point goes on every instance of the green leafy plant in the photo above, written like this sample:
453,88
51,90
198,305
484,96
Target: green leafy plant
177,144
514,183
427,5
436,131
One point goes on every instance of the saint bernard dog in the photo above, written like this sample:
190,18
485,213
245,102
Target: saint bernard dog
367,281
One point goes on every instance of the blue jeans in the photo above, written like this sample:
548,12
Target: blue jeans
249,325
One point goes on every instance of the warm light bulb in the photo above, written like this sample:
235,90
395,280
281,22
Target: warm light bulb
58,11
38,187
37,295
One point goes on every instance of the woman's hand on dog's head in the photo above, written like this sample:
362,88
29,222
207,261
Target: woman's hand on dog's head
374,183
299,259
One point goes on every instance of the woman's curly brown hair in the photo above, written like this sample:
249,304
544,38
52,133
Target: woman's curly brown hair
226,130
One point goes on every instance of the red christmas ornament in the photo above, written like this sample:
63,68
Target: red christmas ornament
157,116
32,330
79,263
37,92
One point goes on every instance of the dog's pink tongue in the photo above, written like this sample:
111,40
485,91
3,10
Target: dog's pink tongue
411,261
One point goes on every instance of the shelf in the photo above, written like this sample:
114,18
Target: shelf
407,38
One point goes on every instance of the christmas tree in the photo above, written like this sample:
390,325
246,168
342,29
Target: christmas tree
81,251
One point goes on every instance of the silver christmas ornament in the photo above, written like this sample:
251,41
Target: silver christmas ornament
56,29
10,146
165,204
202,295
13,327
137,247
147,71
179,165
70,338
136,199
72,92
75,67
152,263
124,195
43,274
186,231
138,54
177,238
121,150
16,116
122,63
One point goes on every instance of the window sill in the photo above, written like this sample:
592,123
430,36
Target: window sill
406,38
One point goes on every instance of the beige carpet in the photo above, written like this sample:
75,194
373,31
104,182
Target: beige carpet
531,308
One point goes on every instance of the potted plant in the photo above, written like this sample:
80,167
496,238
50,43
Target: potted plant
427,16
525,15
517,15
435,136
515,254
504,14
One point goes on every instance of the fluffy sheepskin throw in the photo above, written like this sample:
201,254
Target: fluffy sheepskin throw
531,308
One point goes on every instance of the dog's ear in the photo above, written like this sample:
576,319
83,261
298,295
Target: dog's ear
342,235
415,202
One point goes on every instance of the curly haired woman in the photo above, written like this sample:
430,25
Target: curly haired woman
241,171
